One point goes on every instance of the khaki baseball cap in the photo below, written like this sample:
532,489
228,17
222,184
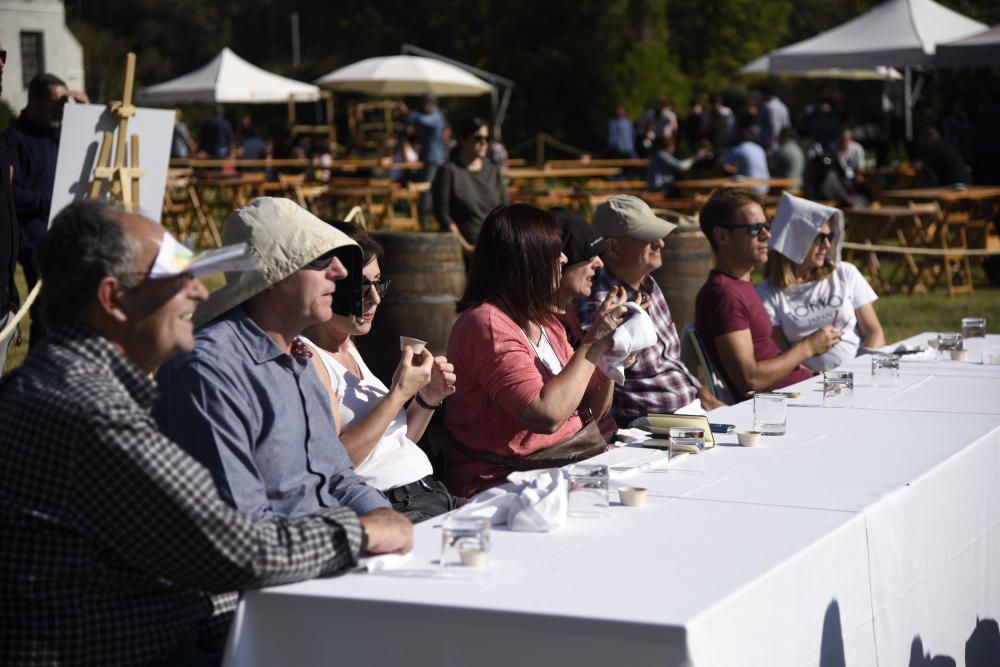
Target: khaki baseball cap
627,215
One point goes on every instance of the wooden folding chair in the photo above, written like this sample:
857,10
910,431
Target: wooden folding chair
184,213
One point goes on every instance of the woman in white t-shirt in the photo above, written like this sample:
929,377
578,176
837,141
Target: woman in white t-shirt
376,426
808,287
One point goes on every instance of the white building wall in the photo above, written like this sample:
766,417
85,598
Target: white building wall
63,54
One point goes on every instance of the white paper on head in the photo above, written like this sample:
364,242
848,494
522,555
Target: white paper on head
83,128
173,259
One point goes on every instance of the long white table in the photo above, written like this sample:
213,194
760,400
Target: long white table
864,535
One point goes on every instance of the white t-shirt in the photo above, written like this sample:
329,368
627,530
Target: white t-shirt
395,460
802,309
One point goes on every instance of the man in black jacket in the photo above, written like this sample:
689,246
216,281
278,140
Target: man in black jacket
8,238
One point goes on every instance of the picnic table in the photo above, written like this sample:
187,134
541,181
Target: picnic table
944,194
529,174
692,186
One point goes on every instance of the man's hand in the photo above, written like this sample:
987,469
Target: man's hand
389,532
822,340
708,401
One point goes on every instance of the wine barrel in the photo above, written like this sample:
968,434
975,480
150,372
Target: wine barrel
428,279
687,259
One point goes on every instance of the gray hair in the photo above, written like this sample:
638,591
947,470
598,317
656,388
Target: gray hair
83,246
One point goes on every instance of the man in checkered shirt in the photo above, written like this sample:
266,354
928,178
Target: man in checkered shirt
658,381
113,538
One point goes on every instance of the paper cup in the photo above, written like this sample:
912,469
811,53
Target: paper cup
417,344
748,438
632,496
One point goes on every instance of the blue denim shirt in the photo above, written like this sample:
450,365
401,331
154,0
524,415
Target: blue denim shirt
260,421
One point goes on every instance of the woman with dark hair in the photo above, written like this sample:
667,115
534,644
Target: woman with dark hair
522,392
379,430
469,186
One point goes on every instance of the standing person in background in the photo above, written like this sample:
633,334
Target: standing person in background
789,160
469,186
8,239
621,135
720,125
32,147
181,144
429,124
691,126
215,135
773,118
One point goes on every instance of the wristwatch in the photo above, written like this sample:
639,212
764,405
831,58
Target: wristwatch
364,540
424,404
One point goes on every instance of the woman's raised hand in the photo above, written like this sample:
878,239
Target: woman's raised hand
413,372
609,317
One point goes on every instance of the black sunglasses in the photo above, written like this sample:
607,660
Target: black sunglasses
480,139
754,229
321,263
381,286
820,237
3,57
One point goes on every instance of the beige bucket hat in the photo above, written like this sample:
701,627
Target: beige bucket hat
282,237
627,215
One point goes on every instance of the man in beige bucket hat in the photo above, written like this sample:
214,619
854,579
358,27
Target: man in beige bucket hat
658,381
247,402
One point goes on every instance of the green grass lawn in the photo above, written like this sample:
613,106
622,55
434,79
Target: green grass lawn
902,315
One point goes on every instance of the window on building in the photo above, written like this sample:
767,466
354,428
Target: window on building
32,56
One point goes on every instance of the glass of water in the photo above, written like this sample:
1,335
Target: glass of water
465,541
588,490
949,342
885,371
687,439
770,413
838,389
973,327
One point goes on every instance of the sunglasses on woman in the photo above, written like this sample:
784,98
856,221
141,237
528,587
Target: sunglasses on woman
820,237
381,286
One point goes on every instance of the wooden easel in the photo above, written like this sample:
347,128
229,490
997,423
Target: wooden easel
115,178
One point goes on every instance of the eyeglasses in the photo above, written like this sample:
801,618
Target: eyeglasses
3,57
820,237
754,229
381,286
480,139
321,263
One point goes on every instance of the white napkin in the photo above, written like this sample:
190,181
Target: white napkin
383,562
531,500
635,334
796,224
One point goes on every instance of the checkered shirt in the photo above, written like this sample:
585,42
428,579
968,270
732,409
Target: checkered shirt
658,381
113,538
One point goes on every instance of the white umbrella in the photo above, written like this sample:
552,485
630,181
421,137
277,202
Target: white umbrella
227,79
404,75
762,65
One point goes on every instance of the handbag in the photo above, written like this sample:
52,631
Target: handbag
584,444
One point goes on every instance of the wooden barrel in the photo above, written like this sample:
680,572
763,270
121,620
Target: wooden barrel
428,279
687,259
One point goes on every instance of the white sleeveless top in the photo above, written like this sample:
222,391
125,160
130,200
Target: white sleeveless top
395,460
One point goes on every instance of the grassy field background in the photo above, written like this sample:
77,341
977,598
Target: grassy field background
902,315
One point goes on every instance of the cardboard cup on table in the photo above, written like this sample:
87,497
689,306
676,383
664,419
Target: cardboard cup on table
632,496
417,344
748,438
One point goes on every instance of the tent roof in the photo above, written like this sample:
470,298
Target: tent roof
227,78
896,33
404,75
762,65
980,49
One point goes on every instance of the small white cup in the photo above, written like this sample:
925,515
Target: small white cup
748,438
632,496
417,344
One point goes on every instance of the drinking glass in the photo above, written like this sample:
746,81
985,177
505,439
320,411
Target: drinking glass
885,371
949,342
769,413
588,490
973,327
687,439
465,541
838,389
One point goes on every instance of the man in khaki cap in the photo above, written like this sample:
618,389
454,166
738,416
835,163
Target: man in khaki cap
658,381
247,402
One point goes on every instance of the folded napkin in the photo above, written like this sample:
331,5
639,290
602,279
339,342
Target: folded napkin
531,500
383,562
635,334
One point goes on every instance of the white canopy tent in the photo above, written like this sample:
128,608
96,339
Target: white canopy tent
228,79
404,75
762,65
896,33
981,49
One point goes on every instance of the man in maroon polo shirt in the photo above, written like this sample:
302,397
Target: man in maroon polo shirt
731,321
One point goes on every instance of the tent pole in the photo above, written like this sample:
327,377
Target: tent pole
908,101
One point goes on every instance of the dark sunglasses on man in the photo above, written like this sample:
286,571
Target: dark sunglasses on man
754,229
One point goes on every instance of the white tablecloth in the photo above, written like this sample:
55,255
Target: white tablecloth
860,532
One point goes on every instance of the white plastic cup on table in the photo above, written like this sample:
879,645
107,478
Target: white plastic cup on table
838,389
465,541
973,327
588,490
885,371
770,413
